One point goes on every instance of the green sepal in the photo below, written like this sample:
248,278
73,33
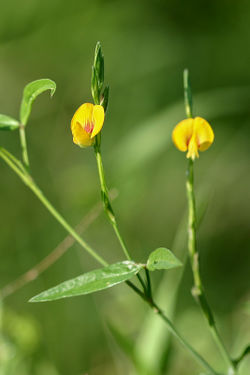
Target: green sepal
99,66
94,87
162,258
90,282
30,92
105,98
97,78
8,123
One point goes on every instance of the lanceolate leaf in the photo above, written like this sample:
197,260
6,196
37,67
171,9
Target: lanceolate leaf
90,282
8,123
30,92
162,258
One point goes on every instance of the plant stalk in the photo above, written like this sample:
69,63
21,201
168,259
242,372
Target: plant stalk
15,164
173,330
23,142
198,290
27,179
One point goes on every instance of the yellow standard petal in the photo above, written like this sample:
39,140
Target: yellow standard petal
182,134
86,123
193,135
205,134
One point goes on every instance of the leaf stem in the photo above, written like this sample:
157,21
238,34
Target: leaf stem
149,288
23,142
28,180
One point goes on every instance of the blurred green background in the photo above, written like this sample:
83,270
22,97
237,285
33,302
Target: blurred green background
146,45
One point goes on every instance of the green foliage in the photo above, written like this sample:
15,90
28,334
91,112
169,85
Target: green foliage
90,282
30,92
8,123
162,258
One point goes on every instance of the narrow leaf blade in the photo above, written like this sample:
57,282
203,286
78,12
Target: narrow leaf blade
8,123
90,282
30,92
162,258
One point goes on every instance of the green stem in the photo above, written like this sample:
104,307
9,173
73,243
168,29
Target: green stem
23,142
106,201
108,207
198,291
149,288
173,330
27,179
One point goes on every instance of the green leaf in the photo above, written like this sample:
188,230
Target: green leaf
8,123
30,92
91,282
162,258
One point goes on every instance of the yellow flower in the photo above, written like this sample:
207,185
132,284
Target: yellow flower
193,135
86,123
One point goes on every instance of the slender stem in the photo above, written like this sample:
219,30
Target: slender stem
198,290
23,142
108,207
149,288
27,179
173,330
106,201
66,226
118,235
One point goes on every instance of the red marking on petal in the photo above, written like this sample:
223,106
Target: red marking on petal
188,141
88,127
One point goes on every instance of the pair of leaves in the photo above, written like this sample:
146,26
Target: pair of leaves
107,277
31,91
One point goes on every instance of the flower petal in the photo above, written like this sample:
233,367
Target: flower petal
98,119
82,116
80,136
182,134
204,133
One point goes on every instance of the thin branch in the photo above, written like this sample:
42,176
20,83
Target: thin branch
56,254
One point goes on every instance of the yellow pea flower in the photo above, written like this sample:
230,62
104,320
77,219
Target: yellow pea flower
86,123
193,135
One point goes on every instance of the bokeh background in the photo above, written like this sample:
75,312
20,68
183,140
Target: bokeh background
146,45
